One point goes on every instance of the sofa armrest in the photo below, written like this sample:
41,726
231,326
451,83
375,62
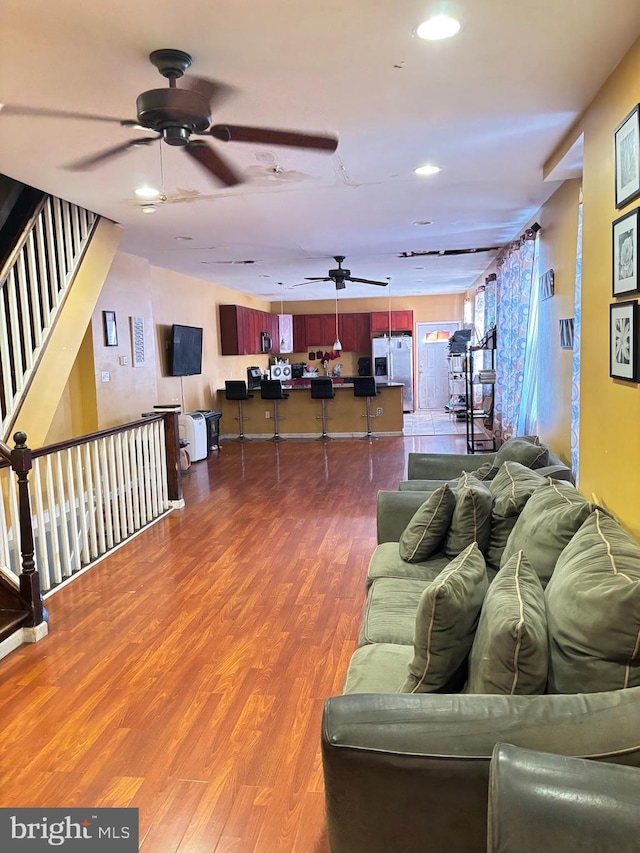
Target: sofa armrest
410,773
394,512
444,466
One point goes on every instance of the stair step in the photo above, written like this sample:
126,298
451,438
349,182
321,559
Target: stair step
10,621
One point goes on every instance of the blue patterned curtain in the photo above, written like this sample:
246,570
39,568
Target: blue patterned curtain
513,295
575,373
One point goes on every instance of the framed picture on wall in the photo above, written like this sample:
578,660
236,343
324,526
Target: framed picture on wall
625,253
110,329
627,157
623,337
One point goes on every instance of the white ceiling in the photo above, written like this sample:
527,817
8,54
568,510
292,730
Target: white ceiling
488,107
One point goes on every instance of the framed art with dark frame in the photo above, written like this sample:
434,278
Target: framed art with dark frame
625,254
623,340
627,157
110,329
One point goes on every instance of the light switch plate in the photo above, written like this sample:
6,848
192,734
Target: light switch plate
105,376
124,360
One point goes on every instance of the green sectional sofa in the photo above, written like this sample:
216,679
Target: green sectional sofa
506,611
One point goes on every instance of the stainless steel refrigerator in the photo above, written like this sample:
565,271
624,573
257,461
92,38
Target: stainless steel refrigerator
393,362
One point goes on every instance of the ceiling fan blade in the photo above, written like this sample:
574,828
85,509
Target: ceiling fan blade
41,112
318,278
271,136
368,281
213,163
97,159
215,92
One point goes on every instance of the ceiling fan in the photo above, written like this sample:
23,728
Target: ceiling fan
178,114
340,276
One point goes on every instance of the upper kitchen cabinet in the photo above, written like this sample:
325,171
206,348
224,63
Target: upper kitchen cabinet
240,330
320,329
401,321
355,332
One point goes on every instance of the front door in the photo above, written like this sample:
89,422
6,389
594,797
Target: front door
433,364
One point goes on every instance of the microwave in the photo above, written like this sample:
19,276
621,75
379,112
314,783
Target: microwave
265,342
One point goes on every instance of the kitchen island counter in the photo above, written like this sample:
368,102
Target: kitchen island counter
299,414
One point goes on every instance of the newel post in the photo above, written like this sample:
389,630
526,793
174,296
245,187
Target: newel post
29,577
172,450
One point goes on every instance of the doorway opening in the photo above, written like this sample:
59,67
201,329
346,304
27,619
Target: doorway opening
433,364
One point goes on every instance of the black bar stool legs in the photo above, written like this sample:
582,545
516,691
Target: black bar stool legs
322,389
271,389
237,390
365,386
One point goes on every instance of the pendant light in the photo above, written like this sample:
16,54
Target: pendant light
337,346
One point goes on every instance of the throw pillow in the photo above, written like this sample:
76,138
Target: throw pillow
425,533
593,609
486,471
510,650
552,515
446,621
471,519
523,451
511,488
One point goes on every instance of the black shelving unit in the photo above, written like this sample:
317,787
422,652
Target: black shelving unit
480,441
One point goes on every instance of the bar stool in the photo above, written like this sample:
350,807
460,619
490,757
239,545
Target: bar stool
236,389
271,389
365,386
322,389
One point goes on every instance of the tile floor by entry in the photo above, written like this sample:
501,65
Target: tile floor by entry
435,422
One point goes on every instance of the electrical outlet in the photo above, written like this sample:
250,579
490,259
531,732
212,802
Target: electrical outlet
105,376
378,411
124,360
267,414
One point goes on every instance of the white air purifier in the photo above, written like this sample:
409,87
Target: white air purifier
192,427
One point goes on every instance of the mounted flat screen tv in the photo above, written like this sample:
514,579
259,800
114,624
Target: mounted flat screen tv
185,350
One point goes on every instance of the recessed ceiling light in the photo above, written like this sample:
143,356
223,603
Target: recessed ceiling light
427,169
148,208
418,268
183,238
438,27
147,192
423,222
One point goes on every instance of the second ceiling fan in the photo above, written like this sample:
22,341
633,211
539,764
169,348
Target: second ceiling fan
340,275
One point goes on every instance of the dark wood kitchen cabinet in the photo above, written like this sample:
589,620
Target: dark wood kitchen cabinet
355,332
299,333
240,330
401,321
320,329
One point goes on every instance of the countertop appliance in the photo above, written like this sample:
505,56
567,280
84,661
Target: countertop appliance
297,370
280,371
393,362
254,377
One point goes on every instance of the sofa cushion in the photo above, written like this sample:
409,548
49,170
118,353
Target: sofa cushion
379,668
386,563
511,488
524,451
593,609
510,649
551,516
471,519
445,623
425,533
390,611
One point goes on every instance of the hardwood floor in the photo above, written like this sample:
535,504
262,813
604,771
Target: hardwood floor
185,674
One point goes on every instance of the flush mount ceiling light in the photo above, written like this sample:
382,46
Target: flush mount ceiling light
182,239
427,169
423,222
438,27
147,192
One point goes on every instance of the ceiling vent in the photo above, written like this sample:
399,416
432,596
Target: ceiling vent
445,252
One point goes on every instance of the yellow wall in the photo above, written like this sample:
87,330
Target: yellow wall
610,409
